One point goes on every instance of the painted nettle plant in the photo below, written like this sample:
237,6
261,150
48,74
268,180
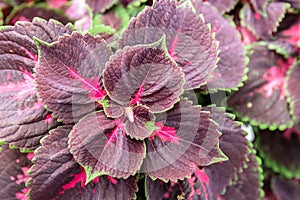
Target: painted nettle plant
137,99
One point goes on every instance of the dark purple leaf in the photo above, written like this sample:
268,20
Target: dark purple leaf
285,189
13,168
232,56
159,190
23,120
187,138
280,151
28,12
138,119
104,187
260,6
263,26
101,146
70,70
223,6
234,145
294,91
262,99
188,39
56,175
248,185
100,5
143,75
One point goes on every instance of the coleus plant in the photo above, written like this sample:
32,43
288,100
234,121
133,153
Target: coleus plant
110,109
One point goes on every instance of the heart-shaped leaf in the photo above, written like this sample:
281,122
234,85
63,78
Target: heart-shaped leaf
71,71
56,175
188,39
139,118
187,138
23,120
101,146
143,75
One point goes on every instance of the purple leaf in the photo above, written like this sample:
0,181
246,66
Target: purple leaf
280,151
138,119
196,142
13,168
28,12
100,5
234,145
293,91
101,146
248,185
285,189
143,75
222,6
56,175
262,99
232,56
188,39
260,6
262,26
23,120
159,190
70,70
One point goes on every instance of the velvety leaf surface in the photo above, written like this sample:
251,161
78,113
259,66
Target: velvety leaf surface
294,91
232,57
234,145
138,118
262,26
27,13
143,75
188,138
70,70
285,189
259,6
23,120
56,175
100,5
280,151
262,99
188,39
294,4
249,182
223,6
100,145
13,168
